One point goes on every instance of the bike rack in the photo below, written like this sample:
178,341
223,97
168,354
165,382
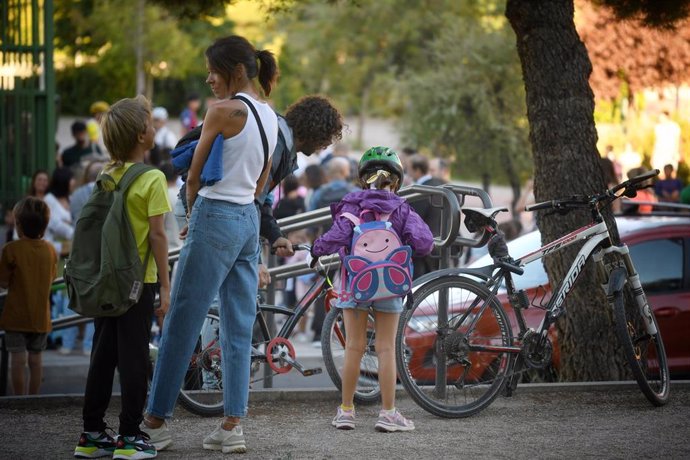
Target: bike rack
452,198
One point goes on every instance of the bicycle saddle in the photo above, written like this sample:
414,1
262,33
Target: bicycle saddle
475,218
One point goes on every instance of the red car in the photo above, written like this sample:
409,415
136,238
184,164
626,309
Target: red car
660,249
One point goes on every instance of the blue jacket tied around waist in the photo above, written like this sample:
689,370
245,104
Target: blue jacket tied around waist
212,171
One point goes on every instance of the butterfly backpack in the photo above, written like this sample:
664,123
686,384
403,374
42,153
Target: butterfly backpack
379,266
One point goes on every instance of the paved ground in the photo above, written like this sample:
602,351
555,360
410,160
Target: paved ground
556,421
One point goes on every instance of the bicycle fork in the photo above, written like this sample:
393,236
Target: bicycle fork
615,276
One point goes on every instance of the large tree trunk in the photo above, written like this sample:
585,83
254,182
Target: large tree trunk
560,108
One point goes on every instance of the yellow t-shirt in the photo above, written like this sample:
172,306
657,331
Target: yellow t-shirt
147,197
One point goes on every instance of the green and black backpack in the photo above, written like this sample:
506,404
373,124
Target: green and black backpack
104,274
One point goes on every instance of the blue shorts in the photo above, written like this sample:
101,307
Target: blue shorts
394,305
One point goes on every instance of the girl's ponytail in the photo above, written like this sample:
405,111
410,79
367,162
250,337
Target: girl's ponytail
268,70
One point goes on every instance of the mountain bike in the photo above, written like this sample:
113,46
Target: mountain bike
455,347
202,389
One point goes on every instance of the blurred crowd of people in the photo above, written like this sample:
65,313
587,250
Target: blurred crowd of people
319,181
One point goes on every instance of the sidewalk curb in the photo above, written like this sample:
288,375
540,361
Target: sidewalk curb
328,394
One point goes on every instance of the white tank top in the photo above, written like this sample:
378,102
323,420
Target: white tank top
243,157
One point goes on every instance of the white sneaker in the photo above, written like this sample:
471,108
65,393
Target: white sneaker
228,441
160,437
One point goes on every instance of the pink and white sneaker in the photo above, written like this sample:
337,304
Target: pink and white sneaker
344,419
389,423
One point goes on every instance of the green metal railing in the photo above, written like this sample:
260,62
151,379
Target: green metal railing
27,94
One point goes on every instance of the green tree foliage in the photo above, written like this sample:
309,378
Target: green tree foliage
448,70
73,32
100,39
468,103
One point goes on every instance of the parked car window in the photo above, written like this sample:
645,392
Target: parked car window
660,264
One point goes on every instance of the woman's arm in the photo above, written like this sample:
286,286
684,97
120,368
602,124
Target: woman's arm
226,118
159,248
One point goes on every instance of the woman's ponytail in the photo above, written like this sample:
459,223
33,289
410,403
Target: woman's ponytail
268,70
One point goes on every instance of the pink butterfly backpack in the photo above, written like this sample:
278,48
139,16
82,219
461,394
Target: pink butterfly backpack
379,266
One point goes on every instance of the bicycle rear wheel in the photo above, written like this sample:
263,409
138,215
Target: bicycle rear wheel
455,367
202,389
644,351
333,345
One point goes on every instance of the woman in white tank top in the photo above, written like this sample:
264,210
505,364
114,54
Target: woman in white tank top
220,254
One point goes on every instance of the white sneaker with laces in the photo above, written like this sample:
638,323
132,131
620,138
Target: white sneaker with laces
227,441
160,437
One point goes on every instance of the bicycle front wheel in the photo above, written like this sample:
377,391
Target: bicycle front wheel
451,347
202,389
644,350
333,336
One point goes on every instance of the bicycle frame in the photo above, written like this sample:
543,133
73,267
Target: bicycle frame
317,289
594,234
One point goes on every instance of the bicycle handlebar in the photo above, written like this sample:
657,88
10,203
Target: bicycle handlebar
295,247
634,184
630,187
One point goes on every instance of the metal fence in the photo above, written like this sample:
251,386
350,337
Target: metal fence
27,94
448,198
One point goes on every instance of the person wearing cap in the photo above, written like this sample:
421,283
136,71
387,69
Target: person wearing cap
93,124
165,137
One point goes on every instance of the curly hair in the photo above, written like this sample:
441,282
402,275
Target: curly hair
314,120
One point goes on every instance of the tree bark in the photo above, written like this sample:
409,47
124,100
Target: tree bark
560,110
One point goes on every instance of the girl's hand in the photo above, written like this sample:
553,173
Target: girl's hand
264,276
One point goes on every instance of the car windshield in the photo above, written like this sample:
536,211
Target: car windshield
534,272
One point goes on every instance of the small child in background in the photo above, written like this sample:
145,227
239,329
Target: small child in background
380,175
28,267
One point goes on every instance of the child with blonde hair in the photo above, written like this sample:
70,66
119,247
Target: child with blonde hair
122,342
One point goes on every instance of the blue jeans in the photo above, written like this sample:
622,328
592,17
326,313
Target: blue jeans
219,257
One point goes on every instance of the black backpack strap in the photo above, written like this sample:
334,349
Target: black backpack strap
264,139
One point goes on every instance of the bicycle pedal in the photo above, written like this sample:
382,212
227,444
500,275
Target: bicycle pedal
310,372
